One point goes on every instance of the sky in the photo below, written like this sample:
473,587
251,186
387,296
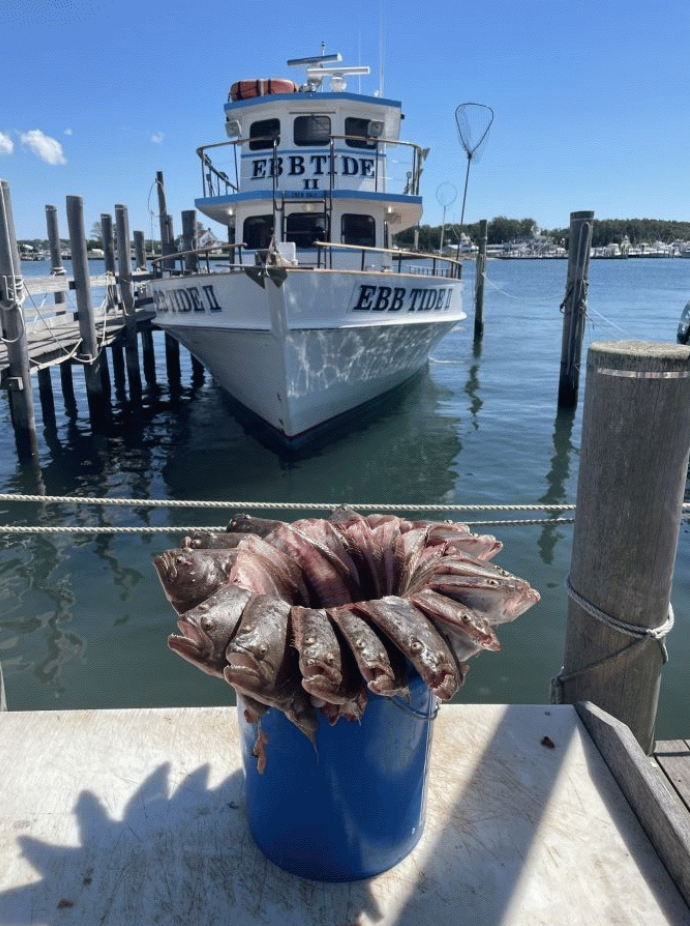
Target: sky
590,99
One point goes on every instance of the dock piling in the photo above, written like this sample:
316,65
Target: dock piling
574,306
14,331
56,268
631,480
91,355
479,279
124,263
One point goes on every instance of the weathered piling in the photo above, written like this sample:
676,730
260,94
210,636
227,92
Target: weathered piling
479,279
56,268
191,260
14,332
92,357
139,250
165,224
632,472
124,264
574,306
112,292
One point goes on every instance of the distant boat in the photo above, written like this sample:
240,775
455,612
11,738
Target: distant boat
313,313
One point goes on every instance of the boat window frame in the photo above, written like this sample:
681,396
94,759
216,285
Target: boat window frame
261,243
262,135
346,237
308,139
358,136
292,235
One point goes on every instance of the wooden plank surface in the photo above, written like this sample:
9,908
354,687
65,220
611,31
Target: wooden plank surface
673,757
138,817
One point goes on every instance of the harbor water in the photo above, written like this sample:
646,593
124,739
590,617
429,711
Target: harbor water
83,619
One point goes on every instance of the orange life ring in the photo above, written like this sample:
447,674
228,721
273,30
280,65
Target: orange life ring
247,89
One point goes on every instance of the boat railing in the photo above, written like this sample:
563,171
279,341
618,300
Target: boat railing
189,260
216,179
392,260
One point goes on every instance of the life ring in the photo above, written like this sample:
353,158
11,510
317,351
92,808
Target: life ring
248,89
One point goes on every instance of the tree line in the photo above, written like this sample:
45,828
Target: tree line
501,230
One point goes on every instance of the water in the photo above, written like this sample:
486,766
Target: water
84,621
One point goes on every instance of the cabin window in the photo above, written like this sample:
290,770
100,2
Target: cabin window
312,130
361,127
262,134
304,228
358,229
258,231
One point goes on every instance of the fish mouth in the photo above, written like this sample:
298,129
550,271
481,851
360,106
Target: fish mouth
185,647
165,566
243,665
316,670
444,684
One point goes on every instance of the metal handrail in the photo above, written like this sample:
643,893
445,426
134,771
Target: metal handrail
208,170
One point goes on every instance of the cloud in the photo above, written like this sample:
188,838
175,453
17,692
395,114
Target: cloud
46,148
157,137
68,132
6,144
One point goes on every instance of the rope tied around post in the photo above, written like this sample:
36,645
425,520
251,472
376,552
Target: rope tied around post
638,634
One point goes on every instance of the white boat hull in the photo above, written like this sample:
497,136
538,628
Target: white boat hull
300,347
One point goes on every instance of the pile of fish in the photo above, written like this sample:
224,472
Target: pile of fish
312,615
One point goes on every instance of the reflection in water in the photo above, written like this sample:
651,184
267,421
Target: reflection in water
557,480
472,385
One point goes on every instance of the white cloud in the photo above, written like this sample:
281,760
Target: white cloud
6,144
48,149
157,137
69,132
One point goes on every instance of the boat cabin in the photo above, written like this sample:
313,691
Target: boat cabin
311,163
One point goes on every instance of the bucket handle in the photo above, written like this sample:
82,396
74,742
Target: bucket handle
420,715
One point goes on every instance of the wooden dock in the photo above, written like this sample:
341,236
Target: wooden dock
673,758
138,817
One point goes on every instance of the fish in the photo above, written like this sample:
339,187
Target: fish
328,578
208,628
263,666
498,599
461,619
212,540
328,669
366,555
418,640
263,568
386,533
483,546
191,576
381,664
248,524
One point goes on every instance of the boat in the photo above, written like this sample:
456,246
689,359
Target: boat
309,311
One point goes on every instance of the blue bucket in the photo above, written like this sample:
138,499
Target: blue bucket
354,806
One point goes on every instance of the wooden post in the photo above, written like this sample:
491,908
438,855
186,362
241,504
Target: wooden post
172,361
67,383
56,268
93,373
45,392
112,293
480,277
165,223
191,261
140,250
124,263
632,472
14,330
574,306
149,356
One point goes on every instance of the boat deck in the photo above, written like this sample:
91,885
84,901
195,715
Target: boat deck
137,816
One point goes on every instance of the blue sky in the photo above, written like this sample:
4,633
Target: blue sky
590,98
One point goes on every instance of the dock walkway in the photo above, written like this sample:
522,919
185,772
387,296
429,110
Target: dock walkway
137,816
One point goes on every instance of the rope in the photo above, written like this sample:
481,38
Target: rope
638,635
287,506
173,529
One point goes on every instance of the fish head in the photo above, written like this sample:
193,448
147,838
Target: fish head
257,651
440,672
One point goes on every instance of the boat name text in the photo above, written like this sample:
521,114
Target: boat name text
186,299
312,167
369,298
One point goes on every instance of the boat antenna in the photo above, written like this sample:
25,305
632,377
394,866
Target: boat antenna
473,121
382,46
